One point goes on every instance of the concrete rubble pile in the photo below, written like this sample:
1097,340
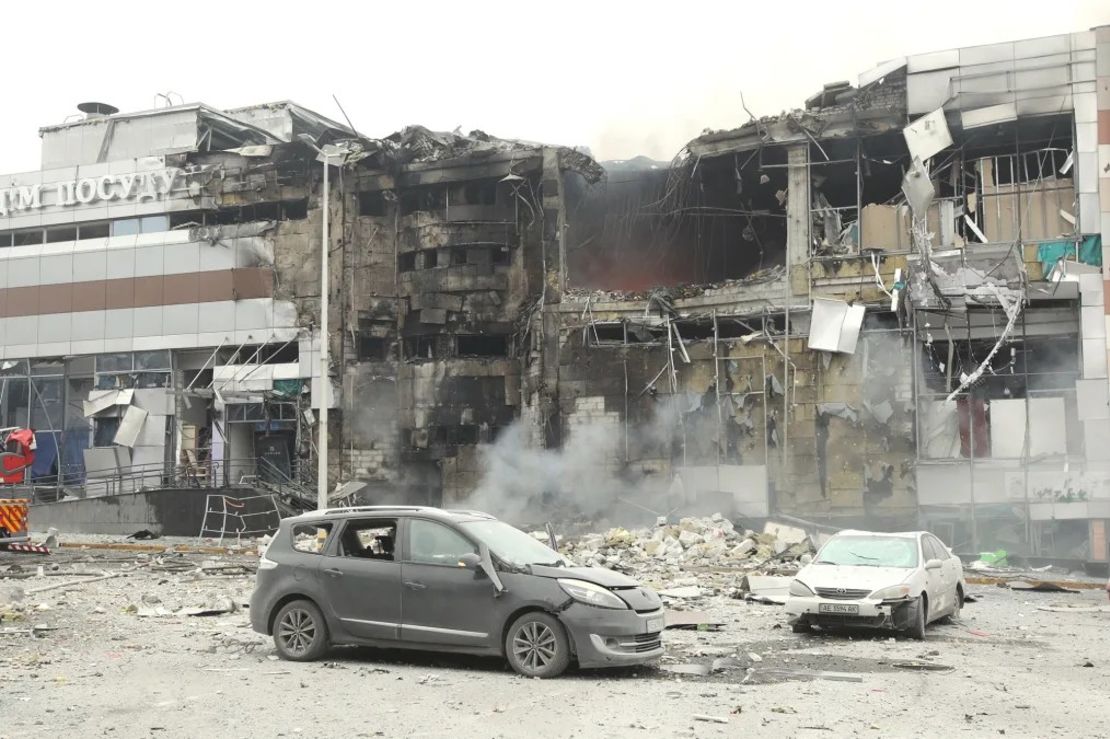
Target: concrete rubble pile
667,554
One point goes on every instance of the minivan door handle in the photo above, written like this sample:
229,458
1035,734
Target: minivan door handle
333,572
414,585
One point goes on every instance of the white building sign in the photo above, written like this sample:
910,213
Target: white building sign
86,190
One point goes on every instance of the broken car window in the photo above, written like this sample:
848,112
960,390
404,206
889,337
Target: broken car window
310,537
369,539
869,551
512,545
435,544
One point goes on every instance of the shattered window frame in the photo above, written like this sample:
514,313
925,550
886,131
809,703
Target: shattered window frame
371,549
306,542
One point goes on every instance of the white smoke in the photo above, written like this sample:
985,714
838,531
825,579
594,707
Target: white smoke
586,478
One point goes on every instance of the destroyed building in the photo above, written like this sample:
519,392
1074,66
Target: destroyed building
882,309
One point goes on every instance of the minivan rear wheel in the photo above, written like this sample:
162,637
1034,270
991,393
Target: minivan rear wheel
536,645
300,633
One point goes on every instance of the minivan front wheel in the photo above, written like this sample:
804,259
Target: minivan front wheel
300,633
536,645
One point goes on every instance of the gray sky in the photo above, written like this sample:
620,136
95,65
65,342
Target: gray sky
623,78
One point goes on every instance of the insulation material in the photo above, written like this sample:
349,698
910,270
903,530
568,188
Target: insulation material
130,426
1039,204
918,188
101,400
940,437
884,227
887,227
928,135
835,326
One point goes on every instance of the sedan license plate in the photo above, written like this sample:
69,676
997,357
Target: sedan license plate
847,608
654,624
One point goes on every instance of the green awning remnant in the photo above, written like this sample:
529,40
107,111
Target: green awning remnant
1088,251
288,388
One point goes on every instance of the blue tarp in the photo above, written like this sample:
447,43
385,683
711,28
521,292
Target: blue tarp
46,453
1089,251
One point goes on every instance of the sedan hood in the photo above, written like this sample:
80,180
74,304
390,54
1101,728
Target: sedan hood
596,575
852,576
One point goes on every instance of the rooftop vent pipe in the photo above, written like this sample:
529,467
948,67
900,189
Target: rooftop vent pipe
97,110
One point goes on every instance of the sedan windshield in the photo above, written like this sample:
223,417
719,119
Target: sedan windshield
869,551
512,545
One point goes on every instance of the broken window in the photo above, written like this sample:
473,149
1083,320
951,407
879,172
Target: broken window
372,348
186,219
423,199
310,537
104,430
371,203
481,192
435,544
369,538
420,347
500,255
482,345
431,258
406,261
458,256
606,333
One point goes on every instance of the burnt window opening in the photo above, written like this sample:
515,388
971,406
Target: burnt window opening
295,210
182,219
640,334
606,333
482,345
458,256
291,210
482,192
637,230
431,258
372,348
423,199
371,203
500,255
406,261
420,347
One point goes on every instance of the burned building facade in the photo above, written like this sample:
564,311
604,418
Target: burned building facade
884,309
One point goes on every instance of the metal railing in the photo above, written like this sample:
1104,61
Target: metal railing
251,472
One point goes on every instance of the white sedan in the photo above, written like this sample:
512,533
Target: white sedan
900,581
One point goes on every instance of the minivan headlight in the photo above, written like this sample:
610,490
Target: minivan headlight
799,589
590,593
894,592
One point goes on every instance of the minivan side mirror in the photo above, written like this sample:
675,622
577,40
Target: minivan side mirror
470,561
934,564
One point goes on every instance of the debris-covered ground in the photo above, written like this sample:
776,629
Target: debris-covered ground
122,643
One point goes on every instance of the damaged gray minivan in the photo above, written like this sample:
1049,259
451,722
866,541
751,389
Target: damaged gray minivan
445,580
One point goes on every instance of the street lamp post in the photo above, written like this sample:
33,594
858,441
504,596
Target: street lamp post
325,383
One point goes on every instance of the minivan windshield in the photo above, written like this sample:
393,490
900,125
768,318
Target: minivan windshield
512,545
869,551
